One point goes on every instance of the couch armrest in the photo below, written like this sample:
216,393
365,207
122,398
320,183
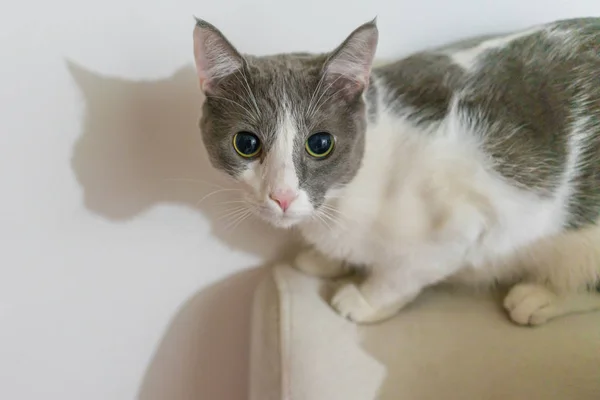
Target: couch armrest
448,345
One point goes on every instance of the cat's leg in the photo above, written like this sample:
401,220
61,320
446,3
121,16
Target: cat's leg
379,297
558,272
314,263
404,273
388,288
534,303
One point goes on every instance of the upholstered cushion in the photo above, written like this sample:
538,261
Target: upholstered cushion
447,345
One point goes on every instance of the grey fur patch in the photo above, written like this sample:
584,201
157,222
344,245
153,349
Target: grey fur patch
524,100
519,99
527,98
421,86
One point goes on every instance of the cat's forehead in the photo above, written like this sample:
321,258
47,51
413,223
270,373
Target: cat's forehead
285,77
303,65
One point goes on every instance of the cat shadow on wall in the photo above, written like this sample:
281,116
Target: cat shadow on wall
141,146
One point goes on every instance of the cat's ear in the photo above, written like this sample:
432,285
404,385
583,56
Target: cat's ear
348,68
215,57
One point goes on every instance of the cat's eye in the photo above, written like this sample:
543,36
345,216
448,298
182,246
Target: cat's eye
319,145
246,144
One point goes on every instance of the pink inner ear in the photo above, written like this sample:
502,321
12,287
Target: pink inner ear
348,74
356,74
200,58
352,61
345,87
203,82
215,57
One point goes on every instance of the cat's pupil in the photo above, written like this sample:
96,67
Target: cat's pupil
319,144
246,143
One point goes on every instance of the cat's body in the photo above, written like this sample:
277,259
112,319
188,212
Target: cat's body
432,160
477,162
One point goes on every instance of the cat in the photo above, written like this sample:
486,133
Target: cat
476,162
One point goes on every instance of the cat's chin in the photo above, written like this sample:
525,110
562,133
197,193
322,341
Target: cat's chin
284,222
281,222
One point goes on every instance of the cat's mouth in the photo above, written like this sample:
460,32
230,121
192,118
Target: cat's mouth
279,220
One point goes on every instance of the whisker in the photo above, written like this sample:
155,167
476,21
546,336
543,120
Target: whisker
238,219
336,221
252,97
325,100
345,197
312,97
249,94
232,213
213,193
234,202
348,216
241,220
192,180
318,215
236,103
318,103
331,208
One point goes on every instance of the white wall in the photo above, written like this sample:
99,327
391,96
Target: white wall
113,283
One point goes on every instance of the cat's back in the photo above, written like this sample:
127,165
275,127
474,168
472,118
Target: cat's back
425,82
532,97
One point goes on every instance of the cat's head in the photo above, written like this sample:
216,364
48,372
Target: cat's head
290,127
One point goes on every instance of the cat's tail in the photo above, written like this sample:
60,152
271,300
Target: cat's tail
566,262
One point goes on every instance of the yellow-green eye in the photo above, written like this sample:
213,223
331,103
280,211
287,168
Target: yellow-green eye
319,145
246,144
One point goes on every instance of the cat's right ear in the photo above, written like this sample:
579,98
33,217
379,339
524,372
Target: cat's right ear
215,57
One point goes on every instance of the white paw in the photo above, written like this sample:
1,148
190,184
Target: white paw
350,303
313,263
530,304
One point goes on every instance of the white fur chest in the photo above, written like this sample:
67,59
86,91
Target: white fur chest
370,219
414,193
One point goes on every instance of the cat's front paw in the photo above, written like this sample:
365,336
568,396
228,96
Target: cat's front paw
531,304
351,304
314,263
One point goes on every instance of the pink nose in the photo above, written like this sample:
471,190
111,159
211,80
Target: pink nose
283,198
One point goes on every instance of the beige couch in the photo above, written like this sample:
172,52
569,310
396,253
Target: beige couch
447,345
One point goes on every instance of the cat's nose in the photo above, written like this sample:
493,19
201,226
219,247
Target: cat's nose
283,197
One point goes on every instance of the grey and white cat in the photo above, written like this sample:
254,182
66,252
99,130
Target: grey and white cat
477,163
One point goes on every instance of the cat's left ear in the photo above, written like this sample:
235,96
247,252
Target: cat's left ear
349,66
215,57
